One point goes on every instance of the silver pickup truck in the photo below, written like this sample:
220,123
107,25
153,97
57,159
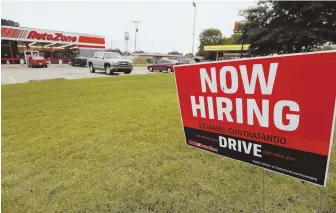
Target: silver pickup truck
109,62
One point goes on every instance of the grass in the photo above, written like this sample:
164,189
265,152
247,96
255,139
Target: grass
140,65
117,145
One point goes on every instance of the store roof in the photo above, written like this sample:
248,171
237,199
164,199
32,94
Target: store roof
230,47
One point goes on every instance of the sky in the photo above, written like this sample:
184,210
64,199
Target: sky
164,25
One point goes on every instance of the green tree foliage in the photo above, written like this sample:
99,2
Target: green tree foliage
211,36
233,39
289,26
189,55
324,48
5,22
126,53
115,50
175,53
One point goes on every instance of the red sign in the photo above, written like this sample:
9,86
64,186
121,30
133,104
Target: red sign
51,37
272,112
238,25
47,36
7,32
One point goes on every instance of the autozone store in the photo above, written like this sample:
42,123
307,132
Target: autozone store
58,47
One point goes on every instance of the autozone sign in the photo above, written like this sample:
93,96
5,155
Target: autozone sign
31,34
277,113
51,36
48,36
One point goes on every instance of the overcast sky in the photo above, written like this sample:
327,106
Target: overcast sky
164,26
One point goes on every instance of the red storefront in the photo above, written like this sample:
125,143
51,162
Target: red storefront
58,47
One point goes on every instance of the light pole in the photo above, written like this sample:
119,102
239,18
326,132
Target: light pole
136,30
192,50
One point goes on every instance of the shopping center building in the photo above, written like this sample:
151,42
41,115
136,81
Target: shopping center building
17,43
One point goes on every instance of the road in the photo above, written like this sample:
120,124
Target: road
16,74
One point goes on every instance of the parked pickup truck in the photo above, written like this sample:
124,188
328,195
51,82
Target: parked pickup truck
109,62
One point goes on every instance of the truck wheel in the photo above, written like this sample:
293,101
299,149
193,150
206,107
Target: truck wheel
92,69
150,69
108,70
169,69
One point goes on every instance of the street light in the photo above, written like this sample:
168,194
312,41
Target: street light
136,30
192,51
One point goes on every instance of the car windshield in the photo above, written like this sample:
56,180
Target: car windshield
38,58
112,55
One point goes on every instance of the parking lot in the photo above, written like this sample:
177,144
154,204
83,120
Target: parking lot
20,74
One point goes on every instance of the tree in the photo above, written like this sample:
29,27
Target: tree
115,50
233,39
289,26
189,55
324,48
5,22
126,53
175,53
211,36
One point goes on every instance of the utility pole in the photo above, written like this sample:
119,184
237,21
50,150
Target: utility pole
135,36
192,50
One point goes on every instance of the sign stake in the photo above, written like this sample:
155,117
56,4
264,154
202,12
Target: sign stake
263,190
321,200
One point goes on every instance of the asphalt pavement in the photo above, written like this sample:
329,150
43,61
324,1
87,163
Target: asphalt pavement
12,74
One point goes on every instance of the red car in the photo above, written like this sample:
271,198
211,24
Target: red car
37,61
163,64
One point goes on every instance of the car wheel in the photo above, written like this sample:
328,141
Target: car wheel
108,70
72,64
169,69
91,68
150,69
128,72
46,66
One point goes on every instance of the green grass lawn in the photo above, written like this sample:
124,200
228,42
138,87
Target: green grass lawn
140,65
117,145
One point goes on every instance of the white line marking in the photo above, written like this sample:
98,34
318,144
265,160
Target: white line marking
12,79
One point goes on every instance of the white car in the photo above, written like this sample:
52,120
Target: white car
109,62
